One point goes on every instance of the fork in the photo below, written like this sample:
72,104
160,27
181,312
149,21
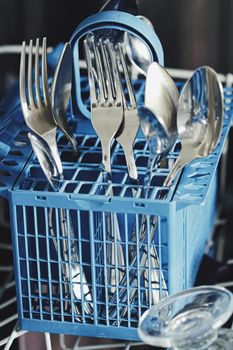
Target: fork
126,139
36,105
106,117
38,116
129,127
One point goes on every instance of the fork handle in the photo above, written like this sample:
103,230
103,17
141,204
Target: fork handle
129,157
50,138
106,158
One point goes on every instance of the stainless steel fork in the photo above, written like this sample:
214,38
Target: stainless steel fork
129,127
35,102
126,137
106,117
38,116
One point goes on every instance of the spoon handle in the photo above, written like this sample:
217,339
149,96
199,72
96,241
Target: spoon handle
187,154
71,269
140,256
149,171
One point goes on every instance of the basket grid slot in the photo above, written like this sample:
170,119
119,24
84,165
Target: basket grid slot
87,178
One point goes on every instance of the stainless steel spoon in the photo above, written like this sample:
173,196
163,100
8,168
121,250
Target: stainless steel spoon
156,80
137,52
158,116
61,91
159,126
200,117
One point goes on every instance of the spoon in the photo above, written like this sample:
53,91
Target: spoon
199,118
158,115
61,91
73,272
158,78
139,55
158,122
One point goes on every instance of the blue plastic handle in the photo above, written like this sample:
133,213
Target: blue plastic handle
109,20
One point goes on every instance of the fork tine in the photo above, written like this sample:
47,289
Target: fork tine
107,69
45,88
90,71
22,78
99,68
30,87
37,74
116,77
132,98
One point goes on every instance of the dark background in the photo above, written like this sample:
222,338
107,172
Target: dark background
193,32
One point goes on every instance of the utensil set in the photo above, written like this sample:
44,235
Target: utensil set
194,117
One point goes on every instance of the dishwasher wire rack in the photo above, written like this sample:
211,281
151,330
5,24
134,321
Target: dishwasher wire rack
9,285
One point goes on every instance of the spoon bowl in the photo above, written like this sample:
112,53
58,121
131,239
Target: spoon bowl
158,116
138,53
161,97
61,91
199,118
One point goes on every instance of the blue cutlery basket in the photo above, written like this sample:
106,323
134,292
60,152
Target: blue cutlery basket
185,218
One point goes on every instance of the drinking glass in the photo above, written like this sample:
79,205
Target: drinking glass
190,320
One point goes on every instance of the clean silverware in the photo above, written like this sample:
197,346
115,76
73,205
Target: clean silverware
161,134
71,266
128,130
158,116
106,118
137,51
61,91
36,106
37,112
106,107
200,116
159,124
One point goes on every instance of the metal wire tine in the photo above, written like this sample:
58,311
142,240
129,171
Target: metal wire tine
132,99
90,71
116,76
107,69
45,88
37,75
22,78
99,67
30,87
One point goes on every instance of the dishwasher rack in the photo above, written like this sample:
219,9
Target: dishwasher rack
178,195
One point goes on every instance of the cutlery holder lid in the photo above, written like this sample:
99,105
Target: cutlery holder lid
115,20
